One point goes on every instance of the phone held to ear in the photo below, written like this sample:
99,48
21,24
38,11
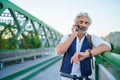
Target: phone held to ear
77,27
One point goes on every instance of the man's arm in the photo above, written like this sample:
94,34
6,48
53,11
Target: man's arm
62,47
93,52
100,49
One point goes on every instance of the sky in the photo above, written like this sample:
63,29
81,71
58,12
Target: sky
60,14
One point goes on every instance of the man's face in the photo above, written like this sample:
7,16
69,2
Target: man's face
83,23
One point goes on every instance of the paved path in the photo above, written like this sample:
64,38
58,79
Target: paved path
51,73
18,67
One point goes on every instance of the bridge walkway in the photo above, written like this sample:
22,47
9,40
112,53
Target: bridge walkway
13,71
17,71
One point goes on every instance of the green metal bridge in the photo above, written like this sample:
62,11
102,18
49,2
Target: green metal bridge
17,23
17,27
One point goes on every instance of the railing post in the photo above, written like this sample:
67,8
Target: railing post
1,65
98,60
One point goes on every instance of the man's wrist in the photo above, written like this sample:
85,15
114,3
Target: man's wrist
90,53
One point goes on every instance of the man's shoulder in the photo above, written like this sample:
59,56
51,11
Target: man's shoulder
64,38
92,35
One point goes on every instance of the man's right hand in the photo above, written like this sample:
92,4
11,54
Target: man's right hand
73,29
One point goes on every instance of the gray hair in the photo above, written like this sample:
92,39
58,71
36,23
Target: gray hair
83,14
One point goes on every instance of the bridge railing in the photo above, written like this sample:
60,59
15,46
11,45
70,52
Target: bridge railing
111,62
16,55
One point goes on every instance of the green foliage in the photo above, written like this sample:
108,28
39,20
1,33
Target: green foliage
112,46
32,40
9,42
116,50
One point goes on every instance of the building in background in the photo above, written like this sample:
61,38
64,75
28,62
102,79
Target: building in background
114,38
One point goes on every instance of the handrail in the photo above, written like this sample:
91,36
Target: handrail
112,58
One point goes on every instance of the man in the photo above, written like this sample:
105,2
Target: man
77,49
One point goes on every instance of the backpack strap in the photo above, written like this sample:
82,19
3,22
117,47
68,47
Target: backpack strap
90,40
91,45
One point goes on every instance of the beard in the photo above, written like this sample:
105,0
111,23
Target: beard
82,30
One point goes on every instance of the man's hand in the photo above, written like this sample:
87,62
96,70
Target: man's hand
73,29
78,56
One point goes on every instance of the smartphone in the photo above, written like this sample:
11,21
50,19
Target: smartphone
77,27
